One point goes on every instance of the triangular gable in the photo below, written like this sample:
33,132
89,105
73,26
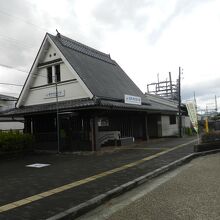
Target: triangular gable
35,75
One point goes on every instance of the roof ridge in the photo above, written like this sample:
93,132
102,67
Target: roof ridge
85,46
82,48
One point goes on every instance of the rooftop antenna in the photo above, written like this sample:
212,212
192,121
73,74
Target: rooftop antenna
58,33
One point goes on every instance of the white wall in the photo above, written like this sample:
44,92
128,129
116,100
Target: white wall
186,123
66,90
11,125
51,55
167,128
40,77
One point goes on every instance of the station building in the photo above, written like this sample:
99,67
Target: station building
88,97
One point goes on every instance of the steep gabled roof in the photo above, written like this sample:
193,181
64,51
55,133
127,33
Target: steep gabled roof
102,75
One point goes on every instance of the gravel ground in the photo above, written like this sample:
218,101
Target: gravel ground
189,192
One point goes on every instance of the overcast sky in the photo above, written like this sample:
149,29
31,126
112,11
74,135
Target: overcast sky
145,37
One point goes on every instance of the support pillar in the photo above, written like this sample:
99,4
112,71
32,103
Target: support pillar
145,129
94,131
159,126
28,125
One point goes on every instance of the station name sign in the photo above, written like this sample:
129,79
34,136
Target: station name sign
50,95
135,100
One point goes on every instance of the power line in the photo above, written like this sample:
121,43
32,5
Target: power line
10,84
12,67
23,20
14,39
12,47
15,42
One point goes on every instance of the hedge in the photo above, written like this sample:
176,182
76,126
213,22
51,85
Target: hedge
188,131
15,141
211,137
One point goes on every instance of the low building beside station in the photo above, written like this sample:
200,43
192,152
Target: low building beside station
9,123
170,123
88,97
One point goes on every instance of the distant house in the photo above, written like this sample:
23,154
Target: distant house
95,100
9,123
7,102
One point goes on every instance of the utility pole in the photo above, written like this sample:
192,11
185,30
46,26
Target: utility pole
197,116
171,87
58,123
179,103
216,105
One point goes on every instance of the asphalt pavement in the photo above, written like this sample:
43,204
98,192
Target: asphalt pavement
189,192
72,179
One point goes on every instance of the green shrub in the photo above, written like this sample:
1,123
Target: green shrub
188,131
211,137
15,141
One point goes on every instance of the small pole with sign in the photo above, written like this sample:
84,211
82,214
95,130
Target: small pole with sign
206,125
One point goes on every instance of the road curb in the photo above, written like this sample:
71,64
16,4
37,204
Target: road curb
87,206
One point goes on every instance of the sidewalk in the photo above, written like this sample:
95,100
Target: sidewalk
189,192
73,179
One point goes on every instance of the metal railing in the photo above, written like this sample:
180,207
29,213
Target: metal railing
105,136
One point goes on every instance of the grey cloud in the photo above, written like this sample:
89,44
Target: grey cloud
114,14
202,90
18,38
23,27
181,7
21,34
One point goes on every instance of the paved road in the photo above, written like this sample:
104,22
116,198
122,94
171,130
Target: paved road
71,179
190,192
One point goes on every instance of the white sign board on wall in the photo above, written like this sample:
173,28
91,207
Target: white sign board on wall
60,93
135,100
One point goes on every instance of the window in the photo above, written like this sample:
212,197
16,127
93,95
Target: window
53,74
172,119
49,75
57,73
103,122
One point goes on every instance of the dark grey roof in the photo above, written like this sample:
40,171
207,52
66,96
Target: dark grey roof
73,105
72,44
51,107
153,107
102,75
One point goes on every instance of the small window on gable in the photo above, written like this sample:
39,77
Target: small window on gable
49,75
172,119
57,73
